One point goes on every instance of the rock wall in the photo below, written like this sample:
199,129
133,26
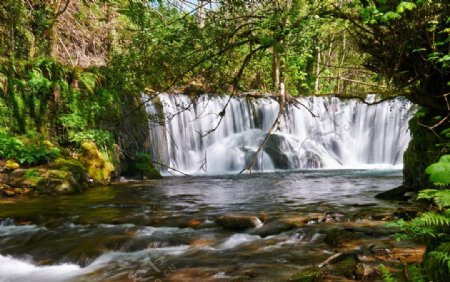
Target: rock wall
422,151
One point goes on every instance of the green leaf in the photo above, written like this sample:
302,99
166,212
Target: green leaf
390,16
446,133
440,172
405,6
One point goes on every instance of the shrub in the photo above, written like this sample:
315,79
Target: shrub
26,151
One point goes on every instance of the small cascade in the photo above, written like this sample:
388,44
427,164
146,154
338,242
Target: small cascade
198,136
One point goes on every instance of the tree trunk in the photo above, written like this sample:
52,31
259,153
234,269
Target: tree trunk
201,14
276,65
317,81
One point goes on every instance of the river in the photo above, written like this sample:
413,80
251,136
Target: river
166,230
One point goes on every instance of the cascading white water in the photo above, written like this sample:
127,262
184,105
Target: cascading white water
319,133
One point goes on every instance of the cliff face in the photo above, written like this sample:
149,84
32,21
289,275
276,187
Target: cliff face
131,133
424,149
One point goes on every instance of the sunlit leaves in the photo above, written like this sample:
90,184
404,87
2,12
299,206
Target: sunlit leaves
440,172
405,6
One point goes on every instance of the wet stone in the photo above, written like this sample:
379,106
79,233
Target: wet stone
239,221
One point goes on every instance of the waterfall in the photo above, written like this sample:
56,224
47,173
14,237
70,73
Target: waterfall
194,135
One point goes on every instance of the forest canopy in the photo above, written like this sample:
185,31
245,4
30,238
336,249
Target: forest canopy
69,68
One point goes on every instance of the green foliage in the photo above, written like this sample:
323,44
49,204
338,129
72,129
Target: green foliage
437,263
431,219
440,172
386,275
26,151
434,226
440,197
415,274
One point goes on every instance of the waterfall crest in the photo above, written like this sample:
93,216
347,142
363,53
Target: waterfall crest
320,132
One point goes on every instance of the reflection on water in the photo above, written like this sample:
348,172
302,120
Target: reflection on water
166,229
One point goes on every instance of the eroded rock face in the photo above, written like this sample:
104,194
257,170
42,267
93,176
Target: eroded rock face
239,221
274,150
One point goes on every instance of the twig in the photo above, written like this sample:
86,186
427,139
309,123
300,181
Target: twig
328,260
174,169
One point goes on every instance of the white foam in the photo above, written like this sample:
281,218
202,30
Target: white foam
238,239
15,270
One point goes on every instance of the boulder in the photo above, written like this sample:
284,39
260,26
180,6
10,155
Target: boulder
99,168
44,180
274,227
239,221
11,165
337,236
274,149
363,271
396,194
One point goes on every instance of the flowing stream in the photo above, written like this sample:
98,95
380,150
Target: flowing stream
316,203
165,229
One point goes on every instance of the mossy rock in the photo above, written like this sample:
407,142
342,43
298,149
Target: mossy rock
98,166
312,274
143,165
337,236
11,165
346,265
74,166
43,180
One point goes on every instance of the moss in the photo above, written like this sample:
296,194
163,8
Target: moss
98,166
11,165
143,165
71,165
346,266
308,275
33,175
45,180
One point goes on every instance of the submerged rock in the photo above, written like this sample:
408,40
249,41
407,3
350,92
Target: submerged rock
239,221
337,236
274,227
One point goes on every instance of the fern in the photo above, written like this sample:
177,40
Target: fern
431,219
437,263
386,275
440,197
415,274
89,81
441,257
